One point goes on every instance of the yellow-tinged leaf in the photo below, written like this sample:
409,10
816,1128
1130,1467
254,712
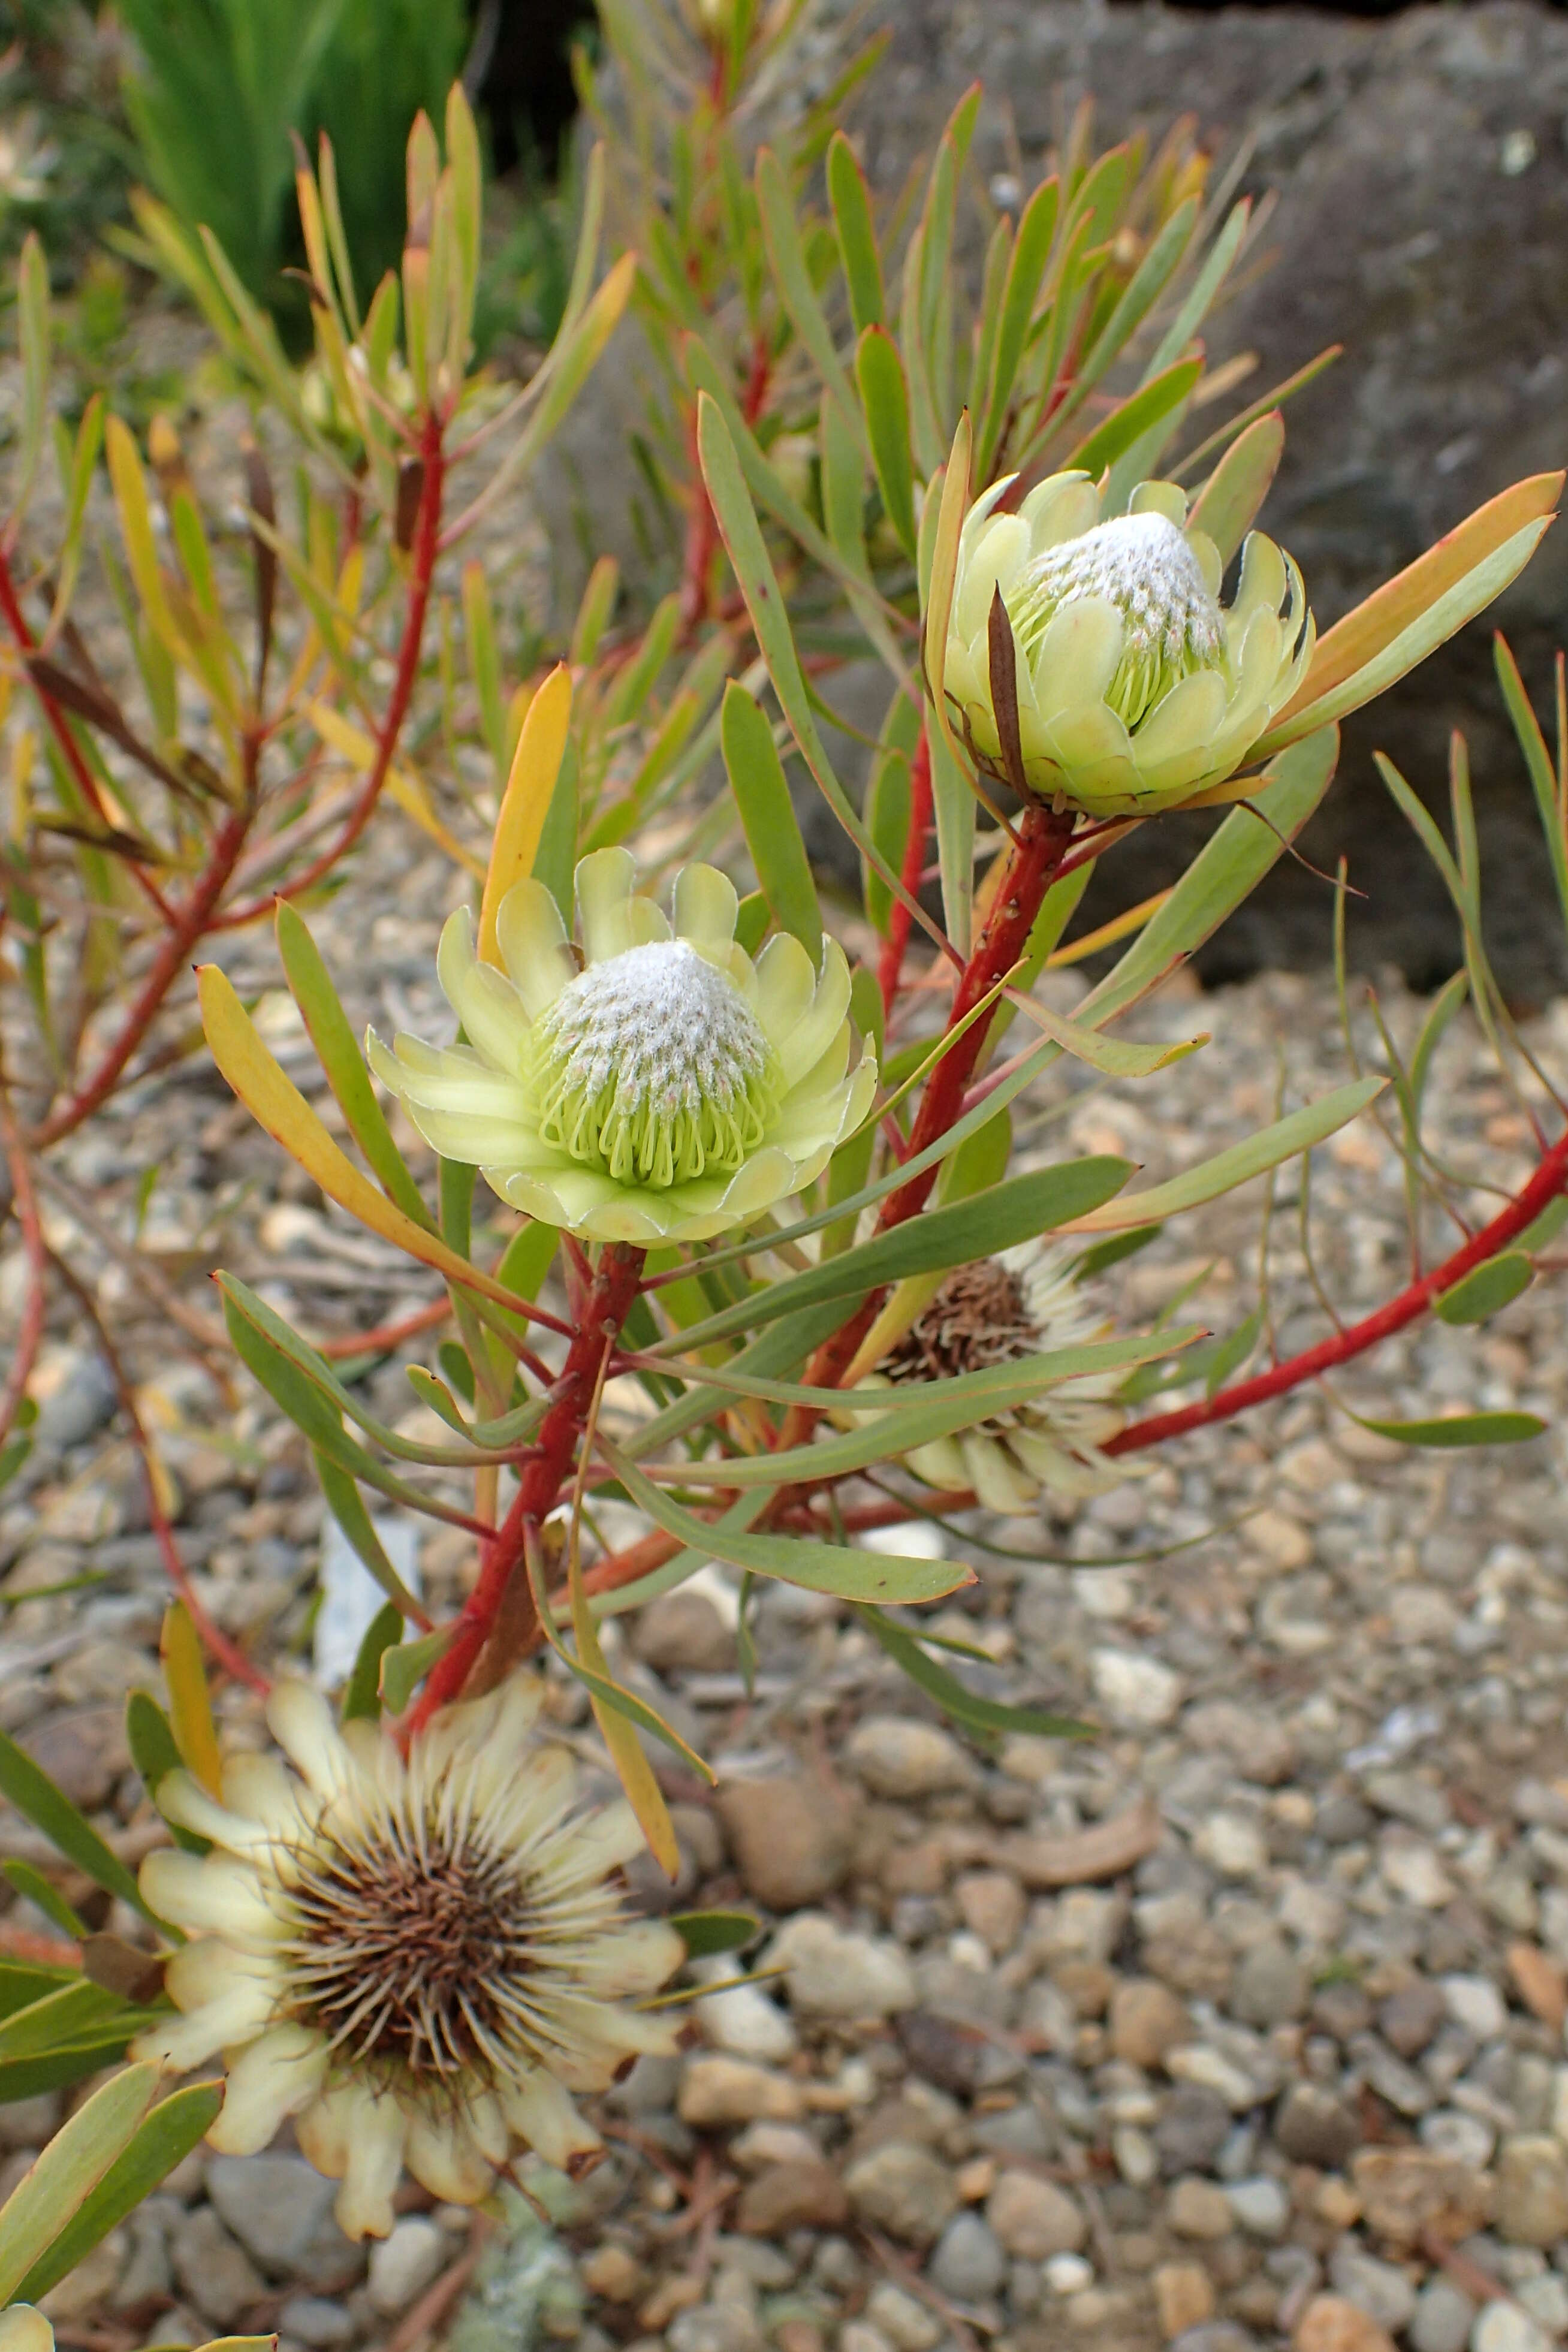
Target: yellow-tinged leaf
903,1307
944,576
190,1709
1091,942
277,1103
535,765
1354,642
129,482
637,1778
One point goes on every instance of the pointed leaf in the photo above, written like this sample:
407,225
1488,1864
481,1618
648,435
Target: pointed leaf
164,2139
363,1696
1461,1428
277,1103
68,2171
885,396
1487,1289
530,787
1229,502
857,234
707,1932
321,1009
839,1569
1227,1170
1396,627
190,1709
987,1718
28,1787
767,813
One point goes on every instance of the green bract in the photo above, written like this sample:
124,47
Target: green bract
669,1089
1135,686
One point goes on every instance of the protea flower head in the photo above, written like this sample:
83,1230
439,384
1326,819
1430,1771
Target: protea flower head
1001,1310
655,1086
419,1959
1135,686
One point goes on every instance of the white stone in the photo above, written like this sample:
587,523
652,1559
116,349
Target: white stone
833,1972
1068,2273
1199,2062
404,2265
1232,1844
1261,2205
897,1758
903,2319
1475,2003
1504,2328
1135,2155
1141,1692
743,2021
1413,1871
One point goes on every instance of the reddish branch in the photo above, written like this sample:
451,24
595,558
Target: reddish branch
1550,1179
30,1335
424,550
1033,863
60,726
543,1471
890,964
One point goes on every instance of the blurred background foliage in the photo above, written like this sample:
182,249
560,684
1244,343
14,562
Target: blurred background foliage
202,100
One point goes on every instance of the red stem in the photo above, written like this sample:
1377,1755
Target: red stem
543,1471
30,1336
189,924
422,572
1550,1179
1040,846
58,724
890,964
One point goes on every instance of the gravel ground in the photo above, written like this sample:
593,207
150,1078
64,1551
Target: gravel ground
1239,2025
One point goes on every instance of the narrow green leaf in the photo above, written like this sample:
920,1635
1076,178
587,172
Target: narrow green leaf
842,474
35,1889
405,1665
164,2139
987,1718
1025,274
74,2013
1225,871
1216,268
1538,760
1461,1428
706,1932
857,234
1135,417
839,1569
69,2170
1487,1289
363,1696
773,834
1213,1178
759,586
346,1504
1230,1353
33,331
781,234
1229,502
155,1752
34,1795
1018,1211
925,1410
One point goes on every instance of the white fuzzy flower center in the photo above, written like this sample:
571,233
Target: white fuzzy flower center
652,1068
1142,564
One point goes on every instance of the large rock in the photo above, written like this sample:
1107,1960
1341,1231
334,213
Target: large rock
1424,185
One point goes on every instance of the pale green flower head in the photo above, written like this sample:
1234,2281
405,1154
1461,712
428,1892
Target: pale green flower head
655,1086
1136,686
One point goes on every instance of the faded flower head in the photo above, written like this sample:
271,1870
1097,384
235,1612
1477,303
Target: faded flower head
1136,687
660,1086
1001,1310
420,1960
